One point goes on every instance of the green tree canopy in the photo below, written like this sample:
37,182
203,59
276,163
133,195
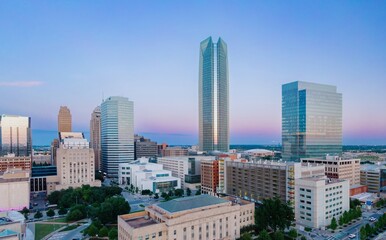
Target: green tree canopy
113,234
274,214
263,235
50,213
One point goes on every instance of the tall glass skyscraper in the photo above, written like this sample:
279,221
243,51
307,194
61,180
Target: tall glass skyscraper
311,120
15,135
117,133
213,96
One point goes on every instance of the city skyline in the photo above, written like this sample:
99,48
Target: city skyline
340,44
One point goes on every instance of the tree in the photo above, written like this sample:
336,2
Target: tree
156,196
113,234
188,192
92,230
198,192
136,190
293,233
263,235
363,233
54,197
74,215
103,232
179,192
164,194
303,238
278,235
38,214
170,193
333,224
62,211
50,213
145,192
274,214
355,203
24,210
246,236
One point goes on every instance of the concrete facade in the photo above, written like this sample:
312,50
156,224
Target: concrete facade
320,199
14,189
10,161
340,168
198,217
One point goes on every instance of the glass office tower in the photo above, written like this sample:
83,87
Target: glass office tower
311,120
15,135
117,133
213,96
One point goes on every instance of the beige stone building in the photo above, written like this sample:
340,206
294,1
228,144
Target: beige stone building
198,217
14,189
64,120
174,152
75,161
340,168
319,199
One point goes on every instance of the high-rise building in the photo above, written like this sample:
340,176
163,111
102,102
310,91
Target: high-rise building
75,161
95,136
64,120
117,133
213,96
15,135
311,120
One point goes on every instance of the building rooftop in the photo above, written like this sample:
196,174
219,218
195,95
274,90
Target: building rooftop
187,203
140,222
320,178
372,167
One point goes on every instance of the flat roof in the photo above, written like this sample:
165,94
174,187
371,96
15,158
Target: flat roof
187,203
140,222
7,233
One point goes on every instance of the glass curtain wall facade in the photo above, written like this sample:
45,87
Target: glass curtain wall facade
311,120
15,135
213,96
117,133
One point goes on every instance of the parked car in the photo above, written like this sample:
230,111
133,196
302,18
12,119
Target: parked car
372,219
351,236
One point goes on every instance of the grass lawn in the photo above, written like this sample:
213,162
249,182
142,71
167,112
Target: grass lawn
72,227
62,220
42,230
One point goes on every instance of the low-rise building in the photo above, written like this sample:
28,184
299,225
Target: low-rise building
10,161
147,176
12,225
186,168
174,152
44,179
144,147
14,190
338,167
197,217
374,177
209,176
319,199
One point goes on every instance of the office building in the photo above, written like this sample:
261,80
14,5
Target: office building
187,168
174,152
340,168
311,121
95,136
15,135
209,176
54,147
64,120
147,176
213,96
274,178
43,179
197,217
374,177
144,147
117,133
75,162
320,199
10,161
14,189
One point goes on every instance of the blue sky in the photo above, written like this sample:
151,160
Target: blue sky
75,53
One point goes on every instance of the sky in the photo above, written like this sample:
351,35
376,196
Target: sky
76,53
